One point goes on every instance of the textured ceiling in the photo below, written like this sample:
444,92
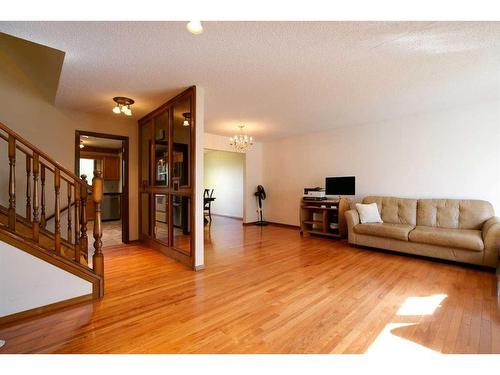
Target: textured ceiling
279,78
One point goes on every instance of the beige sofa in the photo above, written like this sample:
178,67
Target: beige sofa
460,230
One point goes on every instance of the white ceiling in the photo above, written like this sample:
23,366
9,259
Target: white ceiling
279,78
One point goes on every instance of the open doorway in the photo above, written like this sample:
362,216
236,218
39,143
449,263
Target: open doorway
109,154
224,187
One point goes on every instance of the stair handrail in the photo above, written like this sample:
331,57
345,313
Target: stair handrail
77,189
32,147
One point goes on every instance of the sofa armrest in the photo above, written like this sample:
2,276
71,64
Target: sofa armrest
352,219
491,238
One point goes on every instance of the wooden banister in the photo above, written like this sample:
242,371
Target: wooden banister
84,243
77,221
36,218
68,229
97,192
42,182
28,187
57,207
33,148
37,163
12,183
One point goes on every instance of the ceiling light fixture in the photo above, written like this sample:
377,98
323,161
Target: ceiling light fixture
81,144
123,105
241,142
187,117
194,27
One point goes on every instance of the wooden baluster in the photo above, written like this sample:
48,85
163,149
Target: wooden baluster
97,190
84,243
43,222
69,234
28,188
12,183
78,186
36,218
57,210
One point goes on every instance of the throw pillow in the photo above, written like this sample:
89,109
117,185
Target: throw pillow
368,213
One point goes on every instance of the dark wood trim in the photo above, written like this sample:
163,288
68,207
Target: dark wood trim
5,320
125,201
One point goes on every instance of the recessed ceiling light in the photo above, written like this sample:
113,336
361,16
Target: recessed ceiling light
194,27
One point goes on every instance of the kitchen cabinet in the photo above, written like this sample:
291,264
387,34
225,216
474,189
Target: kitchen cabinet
111,168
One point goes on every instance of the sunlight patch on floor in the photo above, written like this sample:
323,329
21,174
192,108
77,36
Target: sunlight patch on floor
421,305
388,343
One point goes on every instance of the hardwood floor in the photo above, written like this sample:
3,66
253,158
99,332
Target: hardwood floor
266,290
111,232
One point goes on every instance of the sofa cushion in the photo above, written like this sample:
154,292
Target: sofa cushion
468,239
453,213
395,210
396,231
368,213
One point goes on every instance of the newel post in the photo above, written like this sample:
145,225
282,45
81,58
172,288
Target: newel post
97,192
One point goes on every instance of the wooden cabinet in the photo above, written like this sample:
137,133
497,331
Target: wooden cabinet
111,168
167,177
324,218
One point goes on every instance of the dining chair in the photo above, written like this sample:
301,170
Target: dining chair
207,203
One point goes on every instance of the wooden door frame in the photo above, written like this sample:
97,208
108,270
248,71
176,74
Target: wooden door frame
126,191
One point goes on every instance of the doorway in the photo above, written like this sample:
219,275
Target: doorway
108,154
224,186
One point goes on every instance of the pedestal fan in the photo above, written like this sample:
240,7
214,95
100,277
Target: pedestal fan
261,195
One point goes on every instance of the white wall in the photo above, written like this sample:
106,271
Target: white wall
448,154
27,282
252,172
224,173
199,243
52,129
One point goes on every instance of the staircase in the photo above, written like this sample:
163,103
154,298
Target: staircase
36,223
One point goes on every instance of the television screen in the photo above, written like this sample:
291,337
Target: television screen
340,185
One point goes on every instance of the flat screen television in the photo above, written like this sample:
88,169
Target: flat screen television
340,185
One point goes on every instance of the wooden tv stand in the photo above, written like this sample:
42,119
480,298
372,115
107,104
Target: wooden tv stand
324,218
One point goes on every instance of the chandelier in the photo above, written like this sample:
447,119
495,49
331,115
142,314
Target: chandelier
123,105
241,142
